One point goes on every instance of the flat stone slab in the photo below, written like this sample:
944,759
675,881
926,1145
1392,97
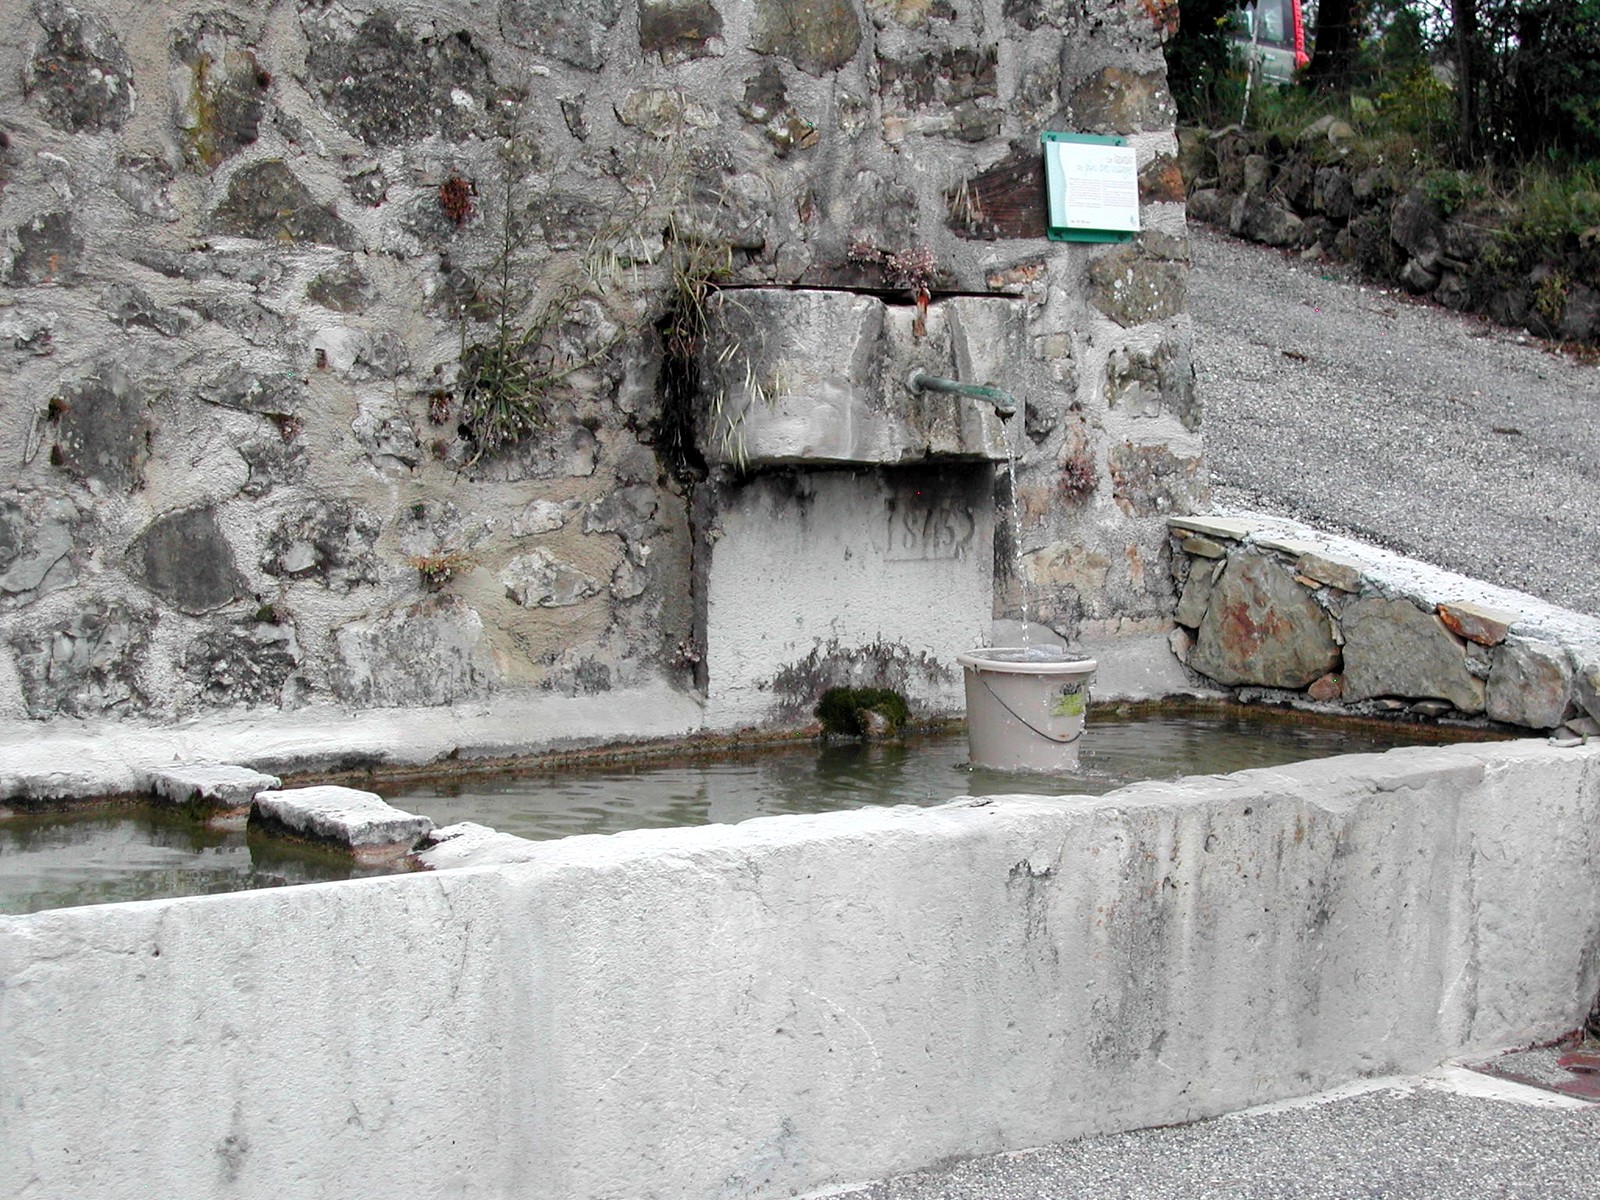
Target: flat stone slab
1214,527
468,844
216,785
1288,545
358,821
1331,570
1478,622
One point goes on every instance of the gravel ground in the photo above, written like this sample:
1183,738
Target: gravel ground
1416,1145
1361,411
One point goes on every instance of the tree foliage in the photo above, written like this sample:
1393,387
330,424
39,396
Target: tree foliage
1524,74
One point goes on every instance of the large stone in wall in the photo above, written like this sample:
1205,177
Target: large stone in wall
1196,596
429,653
567,450
1116,100
1261,627
130,307
49,250
344,288
1264,219
272,462
219,87
185,557
540,580
387,436
817,36
79,77
36,541
883,212
143,183
272,394
629,512
1161,181
913,14
959,80
663,112
1132,287
1530,684
266,200
248,663
947,76
1417,227
87,665
1142,383
327,540
1393,648
434,527
102,426
387,85
766,105
679,29
1150,479
572,30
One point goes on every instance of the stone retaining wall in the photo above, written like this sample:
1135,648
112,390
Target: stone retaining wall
1280,610
253,262
1320,194
796,1002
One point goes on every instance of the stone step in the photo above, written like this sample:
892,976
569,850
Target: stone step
360,822
218,786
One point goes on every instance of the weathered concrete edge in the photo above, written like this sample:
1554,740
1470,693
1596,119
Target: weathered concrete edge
94,758
801,1001
78,759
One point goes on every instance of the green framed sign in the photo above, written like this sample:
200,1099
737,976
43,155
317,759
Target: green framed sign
1091,187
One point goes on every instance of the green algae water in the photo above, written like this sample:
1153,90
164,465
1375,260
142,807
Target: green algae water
100,856
806,778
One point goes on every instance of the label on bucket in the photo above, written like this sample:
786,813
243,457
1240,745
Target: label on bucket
1069,702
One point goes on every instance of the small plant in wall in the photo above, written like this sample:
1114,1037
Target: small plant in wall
532,325
913,269
692,316
437,570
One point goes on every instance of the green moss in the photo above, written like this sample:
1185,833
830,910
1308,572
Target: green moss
841,710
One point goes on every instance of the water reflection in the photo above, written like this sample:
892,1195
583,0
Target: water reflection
808,779
57,860
62,859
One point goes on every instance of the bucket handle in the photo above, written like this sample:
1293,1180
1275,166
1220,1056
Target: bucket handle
1029,725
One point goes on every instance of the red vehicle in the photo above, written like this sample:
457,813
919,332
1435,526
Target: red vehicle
1272,36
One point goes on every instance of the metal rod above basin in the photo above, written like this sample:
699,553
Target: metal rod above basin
1005,404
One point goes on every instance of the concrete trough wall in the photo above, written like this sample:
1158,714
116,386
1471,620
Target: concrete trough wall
801,1001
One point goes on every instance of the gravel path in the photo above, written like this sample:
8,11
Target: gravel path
1360,411
1399,1145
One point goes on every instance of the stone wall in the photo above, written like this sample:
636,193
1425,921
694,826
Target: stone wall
267,268
1283,613
772,1008
1330,197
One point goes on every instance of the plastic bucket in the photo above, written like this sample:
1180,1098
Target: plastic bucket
1025,709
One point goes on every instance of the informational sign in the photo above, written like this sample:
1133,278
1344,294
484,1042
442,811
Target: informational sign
1092,186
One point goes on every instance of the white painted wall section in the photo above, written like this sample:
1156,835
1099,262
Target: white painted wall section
886,574
795,1002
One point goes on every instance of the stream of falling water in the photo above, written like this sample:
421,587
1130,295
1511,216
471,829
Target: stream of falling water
1017,571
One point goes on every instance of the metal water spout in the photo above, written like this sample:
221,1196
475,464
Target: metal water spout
1005,404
